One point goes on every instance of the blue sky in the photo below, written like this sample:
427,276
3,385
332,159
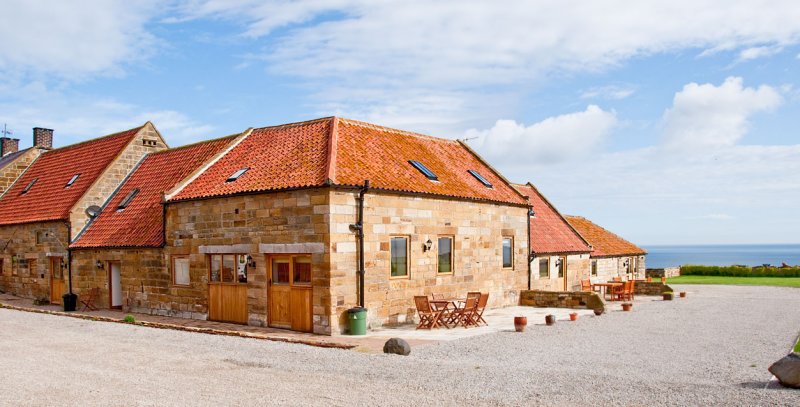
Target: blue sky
666,123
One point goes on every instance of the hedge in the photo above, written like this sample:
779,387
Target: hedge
737,271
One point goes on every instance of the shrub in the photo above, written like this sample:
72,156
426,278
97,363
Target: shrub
739,271
129,319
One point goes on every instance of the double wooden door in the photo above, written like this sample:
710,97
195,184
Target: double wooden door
290,292
56,280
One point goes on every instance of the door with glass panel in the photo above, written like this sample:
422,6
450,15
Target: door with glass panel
290,292
227,288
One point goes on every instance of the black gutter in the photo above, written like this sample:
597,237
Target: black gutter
358,227
530,251
69,255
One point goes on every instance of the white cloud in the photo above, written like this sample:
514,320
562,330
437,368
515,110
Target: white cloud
611,92
706,115
751,53
551,140
73,40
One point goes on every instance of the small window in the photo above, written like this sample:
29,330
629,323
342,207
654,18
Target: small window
280,271
72,180
544,268
227,268
128,198
180,271
29,186
562,266
399,257
445,255
594,267
480,178
424,170
301,275
31,267
237,174
508,250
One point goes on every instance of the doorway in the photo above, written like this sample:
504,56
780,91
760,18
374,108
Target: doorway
290,292
114,285
227,288
56,280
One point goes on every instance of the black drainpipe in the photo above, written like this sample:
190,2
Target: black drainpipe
359,228
530,251
69,255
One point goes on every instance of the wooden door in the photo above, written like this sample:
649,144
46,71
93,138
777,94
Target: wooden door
56,280
227,288
115,285
563,276
290,293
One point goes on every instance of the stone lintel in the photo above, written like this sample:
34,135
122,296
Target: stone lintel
298,248
219,249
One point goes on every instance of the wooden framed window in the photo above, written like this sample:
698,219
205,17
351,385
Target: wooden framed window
301,273
399,257
227,268
594,267
508,252
544,267
445,263
180,271
294,270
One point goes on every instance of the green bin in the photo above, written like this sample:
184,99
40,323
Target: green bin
357,321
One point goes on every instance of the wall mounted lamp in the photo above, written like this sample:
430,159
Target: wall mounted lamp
427,245
250,262
99,264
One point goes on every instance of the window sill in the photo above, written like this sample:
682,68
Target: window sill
405,277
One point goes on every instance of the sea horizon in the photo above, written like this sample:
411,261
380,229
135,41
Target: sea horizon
756,254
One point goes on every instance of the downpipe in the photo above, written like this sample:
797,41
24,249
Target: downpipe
358,227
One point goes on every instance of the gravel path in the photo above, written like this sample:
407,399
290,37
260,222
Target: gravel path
712,348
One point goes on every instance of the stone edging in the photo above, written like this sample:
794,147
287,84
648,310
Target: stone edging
159,325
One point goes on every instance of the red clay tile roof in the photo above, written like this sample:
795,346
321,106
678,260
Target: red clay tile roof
335,151
605,243
550,232
141,224
48,199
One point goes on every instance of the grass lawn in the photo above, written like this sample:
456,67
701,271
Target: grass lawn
797,346
774,281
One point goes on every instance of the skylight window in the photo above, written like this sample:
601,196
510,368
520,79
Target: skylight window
128,198
480,178
424,170
29,186
72,180
237,174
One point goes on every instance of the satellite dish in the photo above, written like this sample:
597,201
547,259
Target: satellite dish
93,211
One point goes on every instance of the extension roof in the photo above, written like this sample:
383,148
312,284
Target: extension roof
336,151
141,223
550,232
49,199
605,243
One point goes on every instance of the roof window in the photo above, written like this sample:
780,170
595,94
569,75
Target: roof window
237,174
29,186
72,180
128,198
424,170
480,178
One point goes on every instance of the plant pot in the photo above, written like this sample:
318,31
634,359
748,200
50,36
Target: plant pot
626,306
663,279
683,294
573,316
520,323
598,312
550,319
668,297
649,279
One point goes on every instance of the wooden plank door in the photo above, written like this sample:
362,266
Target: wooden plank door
115,285
301,293
280,292
290,293
227,288
56,280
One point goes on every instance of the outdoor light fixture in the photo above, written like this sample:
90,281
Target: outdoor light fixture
531,213
99,264
250,261
427,245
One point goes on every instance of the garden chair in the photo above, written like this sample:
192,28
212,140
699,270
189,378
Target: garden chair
623,292
464,316
427,316
477,317
586,285
88,302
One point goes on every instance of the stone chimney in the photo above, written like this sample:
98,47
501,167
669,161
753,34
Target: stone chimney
42,137
8,145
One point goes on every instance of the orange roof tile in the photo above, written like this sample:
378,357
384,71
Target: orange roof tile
141,224
48,199
605,243
335,151
550,232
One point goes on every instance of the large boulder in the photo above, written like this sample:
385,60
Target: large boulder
397,346
787,370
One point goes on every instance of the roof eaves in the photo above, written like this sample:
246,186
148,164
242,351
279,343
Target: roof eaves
563,219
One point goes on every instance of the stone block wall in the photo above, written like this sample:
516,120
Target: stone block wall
665,272
13,170
578,268
32,241
113,176
561,299
610,267
652,288
477,230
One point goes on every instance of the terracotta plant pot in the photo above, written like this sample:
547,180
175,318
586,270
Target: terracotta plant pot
626,306
550,319
520,323
663,279
668,296
683,294
598,312
573,316
649,279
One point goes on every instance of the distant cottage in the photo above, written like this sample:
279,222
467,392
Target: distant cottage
612,256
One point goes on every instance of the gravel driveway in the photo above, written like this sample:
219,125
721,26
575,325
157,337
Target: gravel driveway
711,348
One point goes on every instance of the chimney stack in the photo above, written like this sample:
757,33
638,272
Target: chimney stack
8,145
42,137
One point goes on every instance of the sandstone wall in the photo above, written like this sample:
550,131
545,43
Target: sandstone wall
665,272
610,267
13,170
561,299
578,268
33,241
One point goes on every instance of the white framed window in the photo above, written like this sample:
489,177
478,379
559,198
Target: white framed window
180,271
508,252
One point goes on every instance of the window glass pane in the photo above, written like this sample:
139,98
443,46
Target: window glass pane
181,270
445,255
544,267
399,257
58,272
280,271
506,252
228,264
241,268
594,267
562,264
216,262
302,270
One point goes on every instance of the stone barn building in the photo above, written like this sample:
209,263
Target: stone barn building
612,256
13,161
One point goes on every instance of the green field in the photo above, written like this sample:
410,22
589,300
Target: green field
773,281
797,346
